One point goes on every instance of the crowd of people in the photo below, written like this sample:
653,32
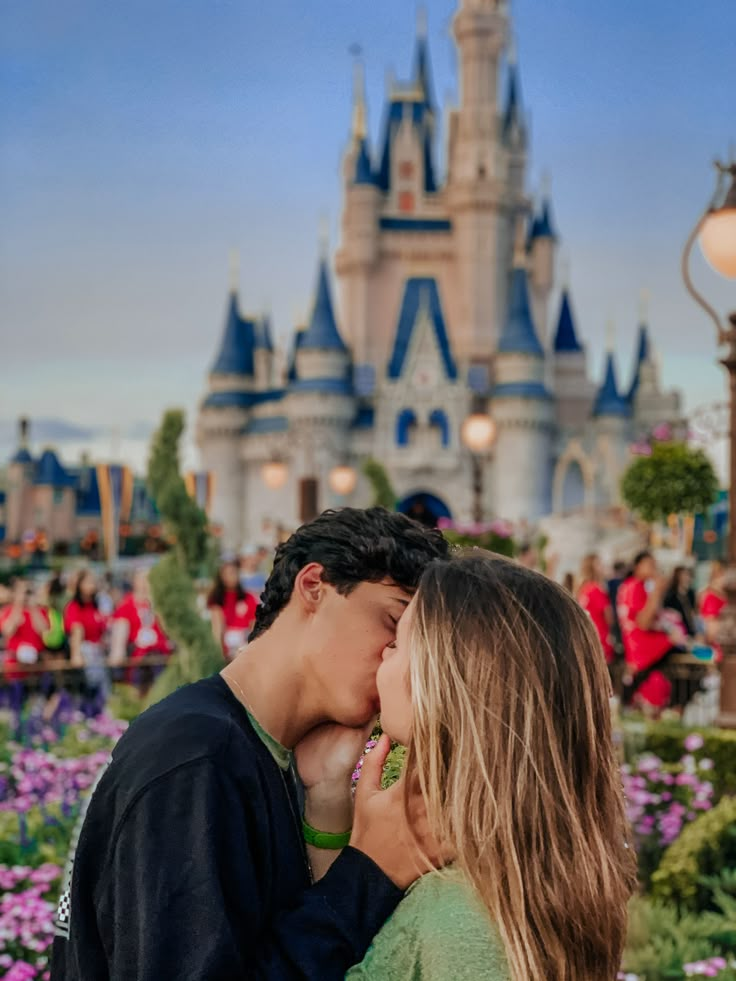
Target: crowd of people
81,632
645,620
86,632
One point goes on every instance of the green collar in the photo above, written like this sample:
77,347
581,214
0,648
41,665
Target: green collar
283,756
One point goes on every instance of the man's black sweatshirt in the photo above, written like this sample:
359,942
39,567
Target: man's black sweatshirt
190,864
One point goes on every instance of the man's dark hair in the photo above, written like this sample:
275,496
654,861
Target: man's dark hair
352,545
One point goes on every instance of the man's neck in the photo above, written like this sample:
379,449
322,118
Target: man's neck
269,679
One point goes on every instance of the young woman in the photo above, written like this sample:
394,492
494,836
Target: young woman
232,609
22,625
86,627
593,596
496,686
137,633
710,606
680,598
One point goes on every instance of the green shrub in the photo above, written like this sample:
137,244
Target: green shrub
704,849
490,540
666,741
660,942
40,835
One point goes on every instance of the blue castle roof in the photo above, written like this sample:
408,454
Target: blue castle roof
566,338
522,390
642,355
608,401
363,166
512,113
50,472
22,456
417,291
238,341
420,115
542,225
322,333
88,492
423,71
262,335
519,335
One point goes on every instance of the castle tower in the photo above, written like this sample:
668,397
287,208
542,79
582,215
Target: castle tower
223,414
263,355
649,404
18,507
524,413
541,247
477,192
572,390
611,425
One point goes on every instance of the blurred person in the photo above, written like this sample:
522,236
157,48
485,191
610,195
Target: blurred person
594,599
86,628
680,598
520,779
252,576
22,624
136,632
528,556
649,642
568,583
620,573
191,861
711,603
232,609
54,600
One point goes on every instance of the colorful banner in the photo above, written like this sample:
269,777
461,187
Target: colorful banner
115,483
201,487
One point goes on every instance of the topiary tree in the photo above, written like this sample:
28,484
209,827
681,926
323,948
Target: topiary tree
672,479
193,555
384,495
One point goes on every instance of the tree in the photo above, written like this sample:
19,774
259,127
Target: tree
672,479
193,555
384,495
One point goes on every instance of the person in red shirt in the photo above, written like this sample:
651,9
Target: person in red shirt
232,609
594,599
710,606
22,624
137,632
86,628
647,646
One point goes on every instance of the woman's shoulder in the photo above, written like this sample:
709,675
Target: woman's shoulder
440,926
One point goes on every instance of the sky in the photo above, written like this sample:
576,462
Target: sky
141,142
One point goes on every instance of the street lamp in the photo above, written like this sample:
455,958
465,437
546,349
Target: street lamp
478,432
342,480
717,231
274,474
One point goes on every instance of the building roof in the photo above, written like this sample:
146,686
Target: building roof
420,292
22,456
321,333
238,341
88,492
262,339
566,338
420,115
363,165
542,225
608,401
643,350
521,390
423,70
519,335
512,116
50,472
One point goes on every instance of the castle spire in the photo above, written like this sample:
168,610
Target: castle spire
234,272
359,130
422,70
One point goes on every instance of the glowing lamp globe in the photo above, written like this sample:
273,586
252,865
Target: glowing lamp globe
478,432
342,480
274,474
718,240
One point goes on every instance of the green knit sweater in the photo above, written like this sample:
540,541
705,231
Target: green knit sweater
439,932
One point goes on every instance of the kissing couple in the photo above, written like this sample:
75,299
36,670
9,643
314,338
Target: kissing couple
224,841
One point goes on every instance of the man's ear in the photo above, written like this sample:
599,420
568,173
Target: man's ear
309,587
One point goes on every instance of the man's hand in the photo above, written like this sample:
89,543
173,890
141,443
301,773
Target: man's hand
403,847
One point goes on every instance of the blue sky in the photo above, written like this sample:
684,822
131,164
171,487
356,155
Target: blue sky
140,142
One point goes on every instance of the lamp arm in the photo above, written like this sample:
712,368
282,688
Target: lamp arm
698,297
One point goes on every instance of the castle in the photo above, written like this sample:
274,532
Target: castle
448,305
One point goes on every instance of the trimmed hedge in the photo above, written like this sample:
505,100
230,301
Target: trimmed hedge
705,848
666,740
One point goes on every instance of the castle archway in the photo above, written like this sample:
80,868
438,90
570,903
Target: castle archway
424,507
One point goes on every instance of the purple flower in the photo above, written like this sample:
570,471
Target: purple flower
694,742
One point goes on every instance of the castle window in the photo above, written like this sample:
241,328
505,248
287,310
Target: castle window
438,419
405,423
58,495
406,202
406,170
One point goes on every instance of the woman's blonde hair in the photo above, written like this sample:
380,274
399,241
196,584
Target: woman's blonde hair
588,568
511,746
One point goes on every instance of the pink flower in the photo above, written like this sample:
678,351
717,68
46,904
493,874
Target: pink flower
694,742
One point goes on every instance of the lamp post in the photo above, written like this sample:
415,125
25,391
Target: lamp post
478,433
717,231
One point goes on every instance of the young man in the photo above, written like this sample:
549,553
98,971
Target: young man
191,862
